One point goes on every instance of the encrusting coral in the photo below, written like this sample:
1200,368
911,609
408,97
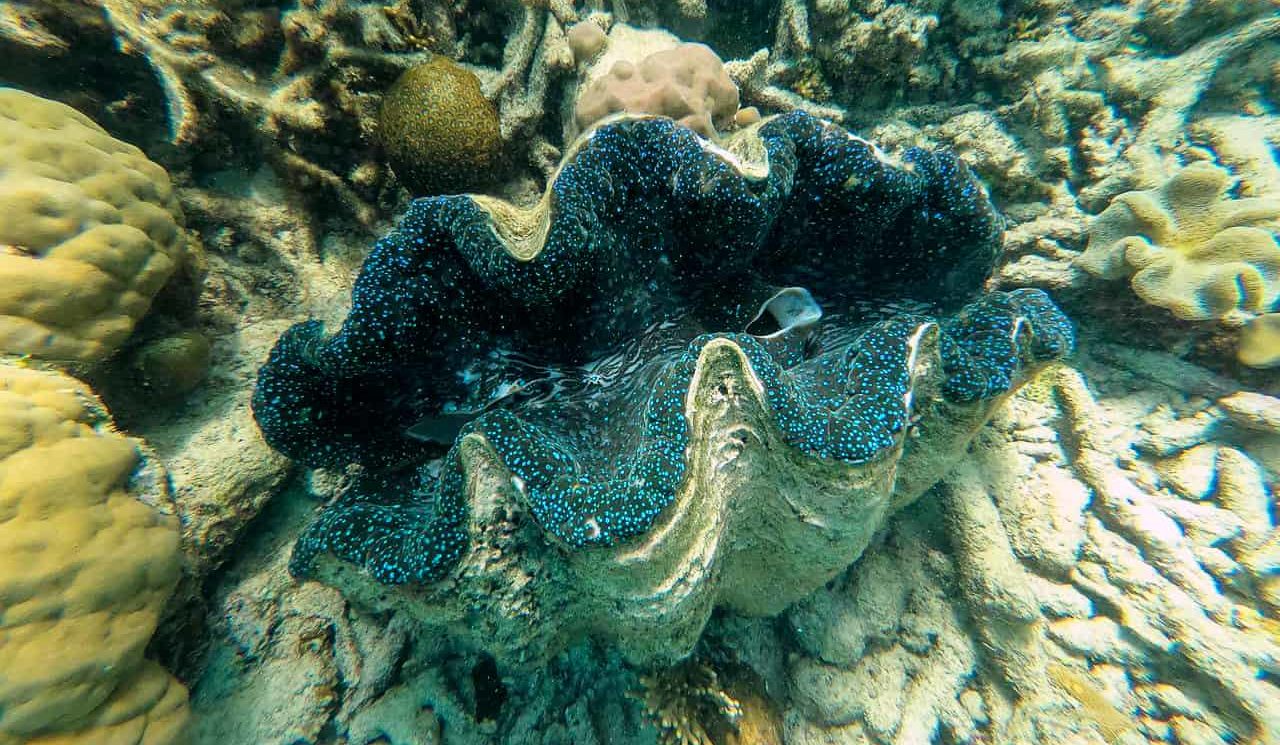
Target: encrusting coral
687,83
1189,248
91,233
87,560
1260,341
437,129
630,445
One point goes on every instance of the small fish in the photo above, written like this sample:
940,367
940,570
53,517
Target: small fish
442,428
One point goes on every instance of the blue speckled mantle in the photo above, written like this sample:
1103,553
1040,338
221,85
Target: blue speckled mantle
645,223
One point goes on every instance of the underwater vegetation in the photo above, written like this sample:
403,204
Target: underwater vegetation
691,260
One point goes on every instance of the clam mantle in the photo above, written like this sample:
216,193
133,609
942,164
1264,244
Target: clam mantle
692,376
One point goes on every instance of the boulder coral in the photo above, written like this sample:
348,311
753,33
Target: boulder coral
727,382
87,560
1189,248
91,233
437,129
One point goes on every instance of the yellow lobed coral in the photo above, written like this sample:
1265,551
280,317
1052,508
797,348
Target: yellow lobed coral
91,232
86,564
1190,248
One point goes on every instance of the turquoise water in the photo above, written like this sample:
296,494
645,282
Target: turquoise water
644,371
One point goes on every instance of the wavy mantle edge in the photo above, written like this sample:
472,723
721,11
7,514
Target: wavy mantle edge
522,231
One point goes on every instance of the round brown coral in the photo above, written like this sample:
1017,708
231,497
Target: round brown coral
440,134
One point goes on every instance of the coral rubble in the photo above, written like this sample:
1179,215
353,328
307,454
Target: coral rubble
1084,586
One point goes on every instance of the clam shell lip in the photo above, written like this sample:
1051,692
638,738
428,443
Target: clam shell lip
582,508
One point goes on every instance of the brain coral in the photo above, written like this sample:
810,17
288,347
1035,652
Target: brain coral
91,232
437,129
86,562
676,365
1189,248
687,83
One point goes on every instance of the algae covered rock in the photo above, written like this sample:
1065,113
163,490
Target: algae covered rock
91,233
1188,247
173,365
640,400
87,561
439,132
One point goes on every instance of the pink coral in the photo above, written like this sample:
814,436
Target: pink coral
687,83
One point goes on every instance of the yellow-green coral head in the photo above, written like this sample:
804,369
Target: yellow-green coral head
1190,248
87,562
438,131
90,231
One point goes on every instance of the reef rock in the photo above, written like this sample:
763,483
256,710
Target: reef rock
643,399
1054,588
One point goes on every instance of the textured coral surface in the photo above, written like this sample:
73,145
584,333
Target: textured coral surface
438,130
86,564
92,231
687,83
